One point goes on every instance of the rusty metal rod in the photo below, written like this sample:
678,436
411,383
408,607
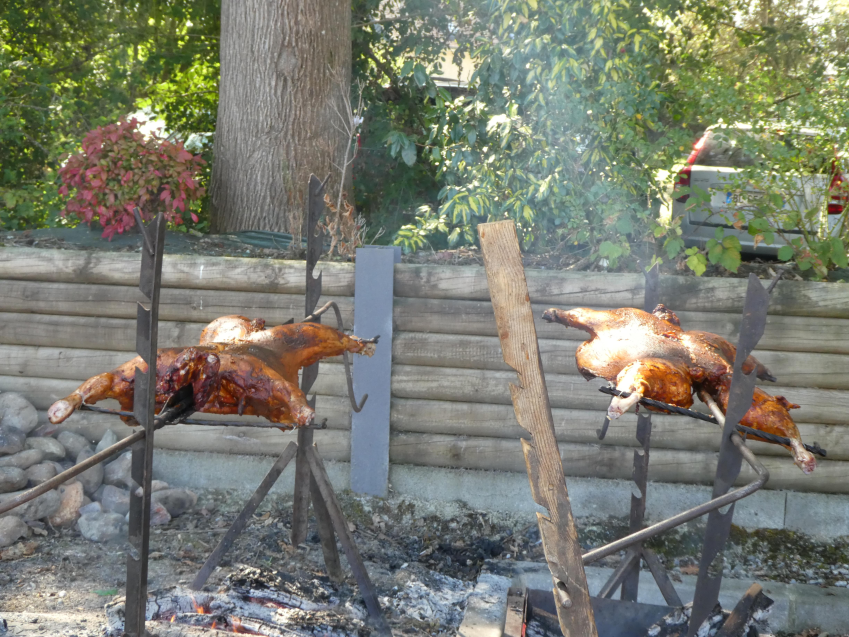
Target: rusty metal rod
780,440
210,423
695,512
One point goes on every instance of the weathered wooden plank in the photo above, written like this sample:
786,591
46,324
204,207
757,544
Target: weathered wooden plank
827,406
178,271
580,425
583,289
794,369
610,462
55,330
783,333
514,316
185,305
89,332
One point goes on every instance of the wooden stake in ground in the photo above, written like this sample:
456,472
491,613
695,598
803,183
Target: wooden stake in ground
514,317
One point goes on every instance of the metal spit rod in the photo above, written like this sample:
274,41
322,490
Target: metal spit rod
781,440
695,512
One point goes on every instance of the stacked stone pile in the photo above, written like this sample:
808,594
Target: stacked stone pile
96,502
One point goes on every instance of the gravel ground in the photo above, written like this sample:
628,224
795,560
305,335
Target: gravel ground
57,573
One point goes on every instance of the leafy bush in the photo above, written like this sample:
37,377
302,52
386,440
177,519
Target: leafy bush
120,169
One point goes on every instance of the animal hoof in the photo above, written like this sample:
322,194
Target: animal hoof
59,411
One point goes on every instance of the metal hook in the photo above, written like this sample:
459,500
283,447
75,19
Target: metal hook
349,376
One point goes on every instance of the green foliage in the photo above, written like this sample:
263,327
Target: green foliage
69,66
565,130
399,52
414,236
786,79
120,169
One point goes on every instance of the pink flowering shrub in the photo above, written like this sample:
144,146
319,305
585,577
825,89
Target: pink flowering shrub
119,169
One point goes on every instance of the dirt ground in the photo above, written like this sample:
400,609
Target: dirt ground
63,581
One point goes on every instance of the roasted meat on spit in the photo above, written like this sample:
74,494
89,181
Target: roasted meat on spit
238,368
650,356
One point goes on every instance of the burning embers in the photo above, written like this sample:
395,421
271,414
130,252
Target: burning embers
254,602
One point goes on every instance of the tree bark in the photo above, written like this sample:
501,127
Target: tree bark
284,66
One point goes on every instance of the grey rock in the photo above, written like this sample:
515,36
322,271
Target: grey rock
115,499
158,485
17,411
118,472
23,459
90,508
52,448
72,500
40,473
12,440
177,501
12,479
102,527
43,506
109,438
73,443
158,514
92,477
12,528
97,496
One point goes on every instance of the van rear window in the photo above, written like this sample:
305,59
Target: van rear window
725,148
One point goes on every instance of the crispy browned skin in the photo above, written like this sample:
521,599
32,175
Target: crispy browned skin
175,368
770,414
653,378
253,371
651,356
230,329
222,383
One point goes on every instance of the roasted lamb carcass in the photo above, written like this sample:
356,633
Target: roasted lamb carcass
650,356
222,383
236,376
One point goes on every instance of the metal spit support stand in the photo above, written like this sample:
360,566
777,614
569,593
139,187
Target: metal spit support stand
311,480
628,573
733,451
144,409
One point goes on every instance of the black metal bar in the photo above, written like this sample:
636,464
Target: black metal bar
749,431
301,497
325,534
242,519
620,572
207,423
144,405
364,583
670,595
640,474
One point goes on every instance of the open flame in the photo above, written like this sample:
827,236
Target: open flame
201,608
173,617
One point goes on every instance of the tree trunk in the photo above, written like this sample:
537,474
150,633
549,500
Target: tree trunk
284,67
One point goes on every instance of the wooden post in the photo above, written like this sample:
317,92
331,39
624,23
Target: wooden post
514,317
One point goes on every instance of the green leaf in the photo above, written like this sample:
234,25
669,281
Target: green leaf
673,247
697,264
472,136
9,198
838,253
730,259
732,243
420,75
106,592
715,253
409,154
